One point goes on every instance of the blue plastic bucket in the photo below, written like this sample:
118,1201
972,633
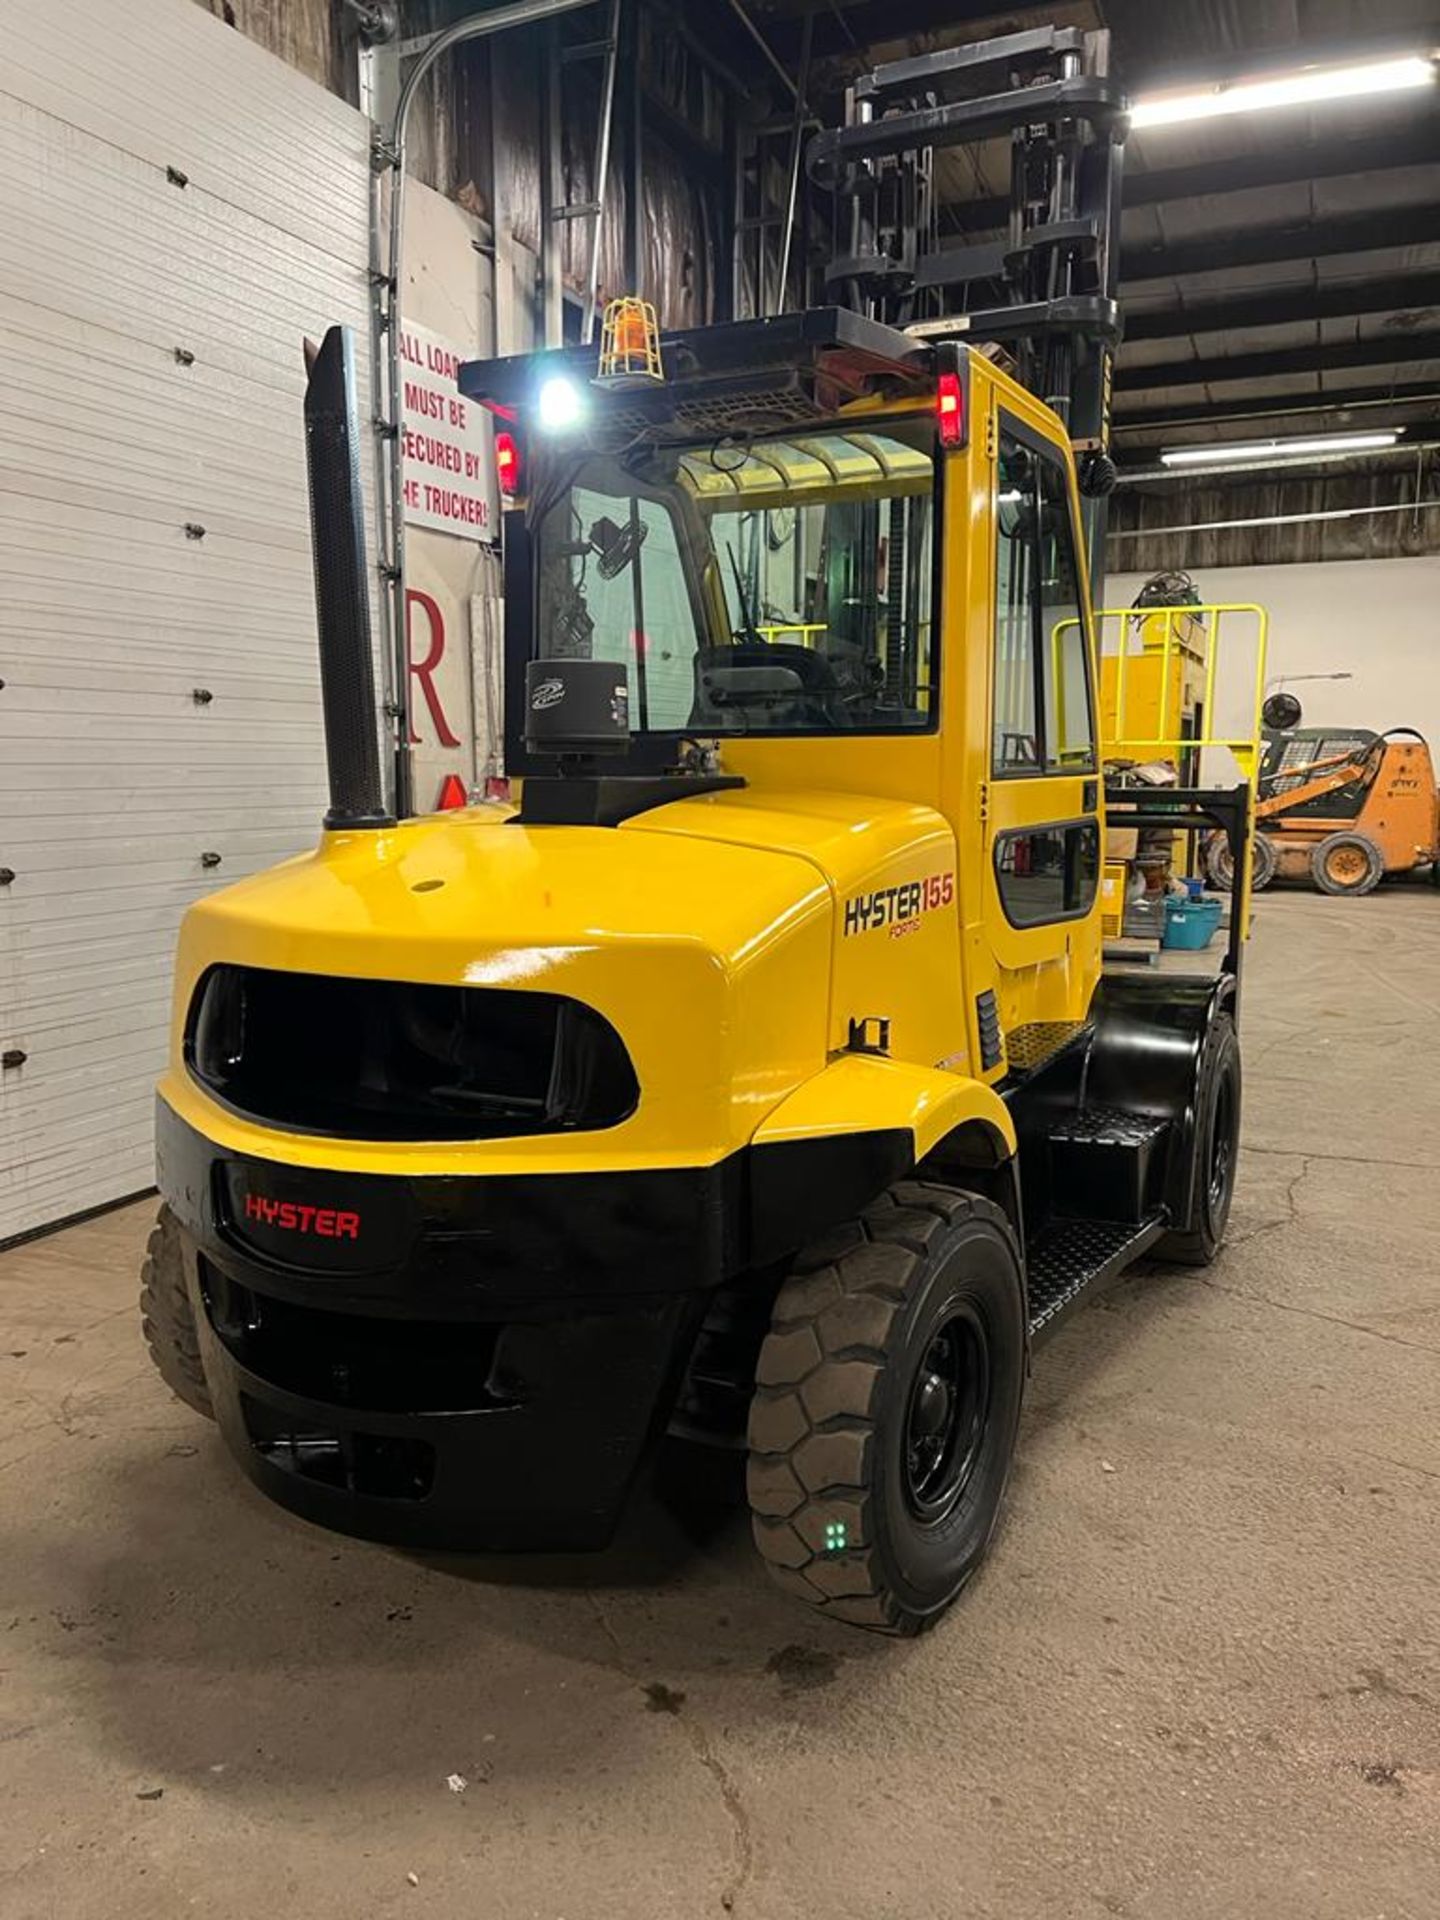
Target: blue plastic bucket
1190,924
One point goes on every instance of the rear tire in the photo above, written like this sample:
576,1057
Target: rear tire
1221,867
166,1318
883,1423
1217,1145
1347,863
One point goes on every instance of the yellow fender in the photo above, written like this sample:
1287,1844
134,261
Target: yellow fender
864,1093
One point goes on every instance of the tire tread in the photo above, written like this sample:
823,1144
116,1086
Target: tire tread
166,1319
872,1265
1192,1246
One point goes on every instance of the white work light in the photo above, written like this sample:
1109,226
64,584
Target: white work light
1305,88
562,405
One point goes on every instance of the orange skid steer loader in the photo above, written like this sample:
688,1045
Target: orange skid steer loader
1341,806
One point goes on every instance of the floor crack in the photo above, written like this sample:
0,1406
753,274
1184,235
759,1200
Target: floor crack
1291,1214
699,1743
1314,1313
1405,1466
1344,1159
734,1806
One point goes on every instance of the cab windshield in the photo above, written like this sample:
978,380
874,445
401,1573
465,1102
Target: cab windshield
766,586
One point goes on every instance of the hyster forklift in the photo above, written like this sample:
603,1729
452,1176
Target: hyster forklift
755,1078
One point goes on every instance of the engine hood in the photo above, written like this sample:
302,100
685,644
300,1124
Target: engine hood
474,897
706,931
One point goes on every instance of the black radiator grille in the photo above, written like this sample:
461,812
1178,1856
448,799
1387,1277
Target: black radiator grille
392,1060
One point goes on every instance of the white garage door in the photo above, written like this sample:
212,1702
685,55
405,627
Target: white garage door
179,211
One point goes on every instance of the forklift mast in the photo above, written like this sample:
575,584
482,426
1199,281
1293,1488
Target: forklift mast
1048,292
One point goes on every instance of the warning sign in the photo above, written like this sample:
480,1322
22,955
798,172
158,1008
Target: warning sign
449,476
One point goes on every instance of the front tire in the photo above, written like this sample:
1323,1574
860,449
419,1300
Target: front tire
166,1319
1347,863
1216,1148
883,1424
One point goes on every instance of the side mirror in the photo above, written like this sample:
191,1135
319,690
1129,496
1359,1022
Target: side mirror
1097,473
1281,712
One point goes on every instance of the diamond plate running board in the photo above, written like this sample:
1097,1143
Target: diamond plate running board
1076,1259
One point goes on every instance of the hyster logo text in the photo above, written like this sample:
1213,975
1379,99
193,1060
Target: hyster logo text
897,907
291,1217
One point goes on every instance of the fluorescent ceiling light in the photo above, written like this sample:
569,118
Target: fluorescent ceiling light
1273,450
1310,85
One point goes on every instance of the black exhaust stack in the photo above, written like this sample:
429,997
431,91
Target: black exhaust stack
342,600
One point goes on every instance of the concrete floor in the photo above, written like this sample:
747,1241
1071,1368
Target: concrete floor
1199,1677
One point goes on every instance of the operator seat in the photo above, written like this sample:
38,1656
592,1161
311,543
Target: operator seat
813,700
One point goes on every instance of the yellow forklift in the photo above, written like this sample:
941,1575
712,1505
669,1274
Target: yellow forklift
755,1078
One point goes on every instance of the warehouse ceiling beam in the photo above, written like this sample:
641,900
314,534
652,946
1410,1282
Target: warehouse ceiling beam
1324,239
844,29
1295,163
1399,295
1367,512
1320,357
1356,234
1345,401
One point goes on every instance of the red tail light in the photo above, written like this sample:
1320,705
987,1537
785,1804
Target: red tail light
453,793
950,410
507,464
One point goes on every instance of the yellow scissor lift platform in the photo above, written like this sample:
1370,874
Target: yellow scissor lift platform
1169,680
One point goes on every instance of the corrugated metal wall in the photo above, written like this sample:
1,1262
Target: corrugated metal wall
681,197
1387,514
181,210
477,129
305,34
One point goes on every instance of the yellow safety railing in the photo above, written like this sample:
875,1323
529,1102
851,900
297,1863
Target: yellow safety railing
1143,655
1135,637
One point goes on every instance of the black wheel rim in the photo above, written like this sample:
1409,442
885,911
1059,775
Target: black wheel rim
945,1416
1222,1144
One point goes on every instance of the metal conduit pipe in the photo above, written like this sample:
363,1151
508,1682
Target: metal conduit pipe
602,173
388,158
797,151
765,47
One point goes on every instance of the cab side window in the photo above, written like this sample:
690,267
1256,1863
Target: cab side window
1043,711
1069,729
1016,744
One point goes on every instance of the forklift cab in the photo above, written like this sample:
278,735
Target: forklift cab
856,569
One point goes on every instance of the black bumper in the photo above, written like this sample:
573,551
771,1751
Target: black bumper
437,1362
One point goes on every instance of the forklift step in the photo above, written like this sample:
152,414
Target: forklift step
1074,1258
1029,1048
1102,1163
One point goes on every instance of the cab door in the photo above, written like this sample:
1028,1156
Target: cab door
1042,810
